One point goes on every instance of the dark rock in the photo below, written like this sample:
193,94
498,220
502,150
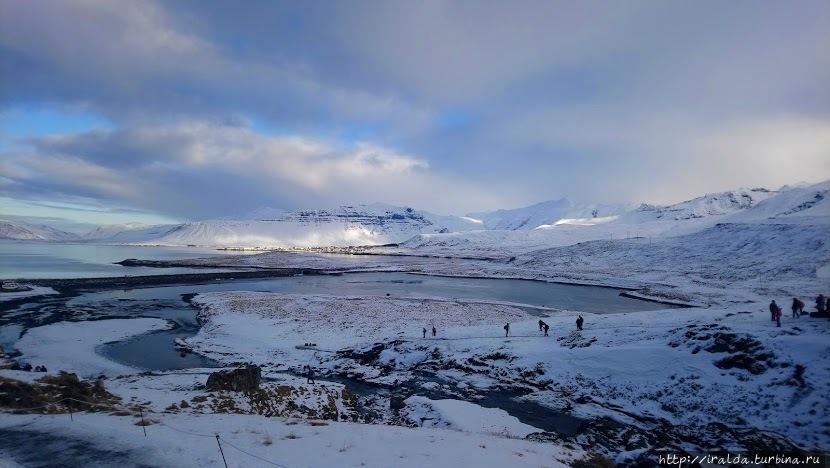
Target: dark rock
237,380
397,403
363,357
742,361
732,343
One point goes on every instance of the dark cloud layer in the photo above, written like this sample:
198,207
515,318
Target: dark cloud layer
218,107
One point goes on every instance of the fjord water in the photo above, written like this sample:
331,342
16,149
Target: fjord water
37,260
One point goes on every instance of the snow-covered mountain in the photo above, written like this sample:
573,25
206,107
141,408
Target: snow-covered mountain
548,224
810,203
24,231
344,226
546,213
805,205
138,236
717,204
108,230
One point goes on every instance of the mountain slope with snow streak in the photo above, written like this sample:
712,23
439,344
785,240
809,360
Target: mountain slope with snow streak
106,231
808,205
24,231
549,212
345,226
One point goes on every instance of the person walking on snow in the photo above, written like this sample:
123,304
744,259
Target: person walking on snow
776,312
579,322
310,375
541,325
821,303
546,329
506,329
772,307
798,307
433,331
425,332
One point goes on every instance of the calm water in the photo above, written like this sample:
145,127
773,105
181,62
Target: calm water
31,260
155,350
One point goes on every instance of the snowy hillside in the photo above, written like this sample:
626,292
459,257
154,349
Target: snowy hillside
545,213
804,205
108,230
717,204
25,231
750,256
359,225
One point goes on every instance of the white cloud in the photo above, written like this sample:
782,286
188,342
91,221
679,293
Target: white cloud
199,169
666,158
591,100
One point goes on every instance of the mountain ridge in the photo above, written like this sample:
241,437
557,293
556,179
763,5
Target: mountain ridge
380,224
21,230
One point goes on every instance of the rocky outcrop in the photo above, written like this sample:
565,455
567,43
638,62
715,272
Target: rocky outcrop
243,379
59,393
397,403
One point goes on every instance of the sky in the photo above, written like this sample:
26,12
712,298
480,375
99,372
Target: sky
114,110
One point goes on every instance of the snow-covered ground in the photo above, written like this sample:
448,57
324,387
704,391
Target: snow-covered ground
265,327
26,291
259,441
677,365
680,367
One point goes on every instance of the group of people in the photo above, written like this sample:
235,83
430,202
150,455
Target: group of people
544,327
797,308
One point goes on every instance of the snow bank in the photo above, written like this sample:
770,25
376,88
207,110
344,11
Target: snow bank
31,291
465,416
258,441
70,346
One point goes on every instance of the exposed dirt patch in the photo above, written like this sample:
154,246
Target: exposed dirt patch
56,394
742,361
745,352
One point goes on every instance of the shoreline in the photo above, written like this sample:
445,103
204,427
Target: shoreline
117,282
630,292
